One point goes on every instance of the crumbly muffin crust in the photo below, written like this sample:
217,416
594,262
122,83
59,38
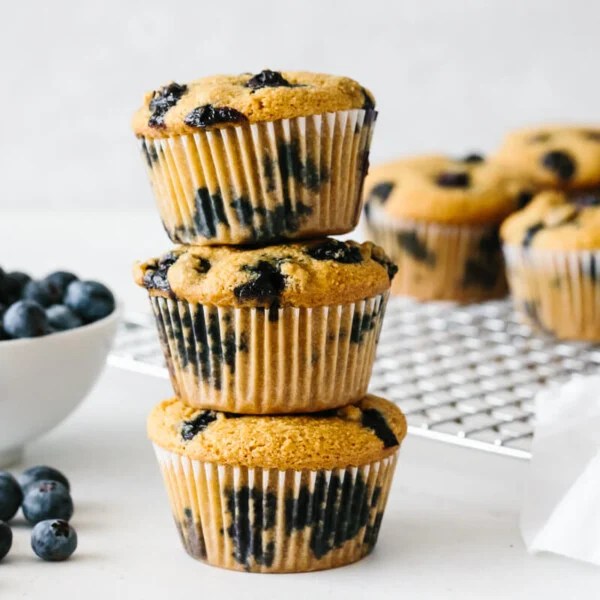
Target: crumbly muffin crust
350,436
313,273
556,221
558,156
441,189
228,100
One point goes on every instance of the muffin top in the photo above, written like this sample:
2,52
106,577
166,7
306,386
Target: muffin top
225,100
556,156
304,274
440,189
353,435
556,221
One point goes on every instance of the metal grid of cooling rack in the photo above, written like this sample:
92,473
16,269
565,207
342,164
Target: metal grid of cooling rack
464,375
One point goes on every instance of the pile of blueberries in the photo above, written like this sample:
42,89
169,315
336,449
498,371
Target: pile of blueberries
59,301
43,494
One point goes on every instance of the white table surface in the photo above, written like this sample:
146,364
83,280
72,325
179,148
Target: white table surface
450,530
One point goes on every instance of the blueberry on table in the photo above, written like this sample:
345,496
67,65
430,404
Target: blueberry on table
12,286
62,318
91,300
59,281
47,500
25,319
53,540
39,473
6,538
11,496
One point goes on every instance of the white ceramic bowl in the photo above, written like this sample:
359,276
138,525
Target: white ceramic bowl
43,379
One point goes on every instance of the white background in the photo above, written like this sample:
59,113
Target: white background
448,75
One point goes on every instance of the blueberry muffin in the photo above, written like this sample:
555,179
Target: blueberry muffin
277,494
242,159
438,217
277,329
552,251
563,157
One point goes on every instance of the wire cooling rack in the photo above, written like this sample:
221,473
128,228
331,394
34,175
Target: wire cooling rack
464,375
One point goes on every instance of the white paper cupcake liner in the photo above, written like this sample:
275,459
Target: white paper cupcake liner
557,292
277,360
272,521
462,263
285,179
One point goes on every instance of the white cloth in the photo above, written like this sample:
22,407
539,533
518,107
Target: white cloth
561,507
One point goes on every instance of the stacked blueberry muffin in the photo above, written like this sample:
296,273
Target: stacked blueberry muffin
274,457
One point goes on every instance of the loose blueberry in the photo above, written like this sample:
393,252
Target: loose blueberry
47,500
453,179
162,101
6,538
559,163
62,318
267,78
42,292
11,496
12,285
59,281
91,300
39,473
207,115
53,540
25,319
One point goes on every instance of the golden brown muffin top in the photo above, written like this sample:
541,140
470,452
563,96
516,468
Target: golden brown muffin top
556,156
227,100
350,436
441,189
311,273
556,221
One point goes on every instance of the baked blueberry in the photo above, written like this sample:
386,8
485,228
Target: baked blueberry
162,101
91,300
337,251
157,279
266,282
6,538
453,179
39,473
473,158
560,163
42,292
12,285
62,318
267,78
11,496
381,191
207,115
190,429
59,281
47,500
25,319
53,540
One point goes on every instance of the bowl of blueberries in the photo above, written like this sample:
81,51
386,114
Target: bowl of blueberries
55,334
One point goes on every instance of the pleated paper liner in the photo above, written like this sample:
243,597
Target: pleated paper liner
557,292
272,521
462,263
286,179
278,360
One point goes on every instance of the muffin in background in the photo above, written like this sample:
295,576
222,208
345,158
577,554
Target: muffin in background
241,159
437,218
278,494
275,329
563,157
552,251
